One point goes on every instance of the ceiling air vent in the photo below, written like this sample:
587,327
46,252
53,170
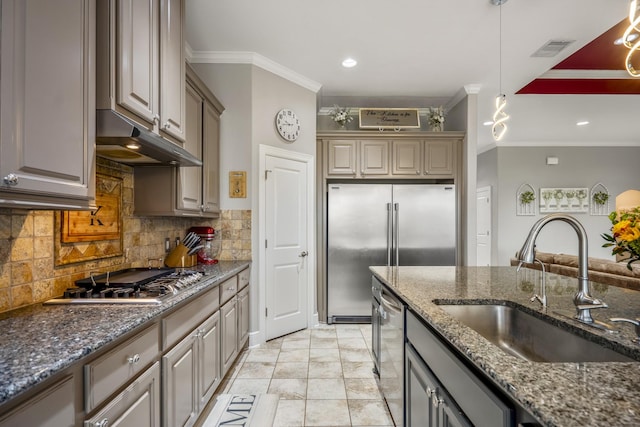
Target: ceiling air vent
551,48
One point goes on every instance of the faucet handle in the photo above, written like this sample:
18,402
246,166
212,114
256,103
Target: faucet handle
636,323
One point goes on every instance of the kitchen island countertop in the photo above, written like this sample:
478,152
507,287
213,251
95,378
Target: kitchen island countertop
39,341
557,394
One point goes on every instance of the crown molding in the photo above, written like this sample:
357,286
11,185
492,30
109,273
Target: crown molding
252,58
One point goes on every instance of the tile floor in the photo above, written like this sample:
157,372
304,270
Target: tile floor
323,376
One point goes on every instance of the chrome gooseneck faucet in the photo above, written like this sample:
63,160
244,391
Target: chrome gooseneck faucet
583,300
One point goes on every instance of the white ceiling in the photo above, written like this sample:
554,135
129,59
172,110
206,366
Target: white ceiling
428,51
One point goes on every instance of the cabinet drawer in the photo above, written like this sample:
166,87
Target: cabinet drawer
52,407
243,278
182,321
228,288
137,405
111,371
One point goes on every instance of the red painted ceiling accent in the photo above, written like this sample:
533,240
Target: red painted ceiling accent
599,54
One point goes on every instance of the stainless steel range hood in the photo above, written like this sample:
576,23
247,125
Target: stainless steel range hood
114,132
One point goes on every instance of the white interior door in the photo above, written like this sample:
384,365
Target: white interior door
287,246
483,240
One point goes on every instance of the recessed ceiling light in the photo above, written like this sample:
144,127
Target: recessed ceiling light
488,123
349,63
630,38
582,123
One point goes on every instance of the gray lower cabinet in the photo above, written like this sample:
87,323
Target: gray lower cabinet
440,390
229,323
53,407
243,317
209,358
137,406
191,373
428,405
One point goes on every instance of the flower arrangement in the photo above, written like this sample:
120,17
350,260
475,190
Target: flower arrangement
340,115
527,197
600,198
625,234
436,118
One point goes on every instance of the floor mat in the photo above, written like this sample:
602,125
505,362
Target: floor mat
249,410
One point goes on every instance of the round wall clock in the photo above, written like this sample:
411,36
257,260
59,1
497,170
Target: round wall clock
288,125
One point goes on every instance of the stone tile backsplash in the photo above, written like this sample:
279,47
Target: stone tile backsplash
28,273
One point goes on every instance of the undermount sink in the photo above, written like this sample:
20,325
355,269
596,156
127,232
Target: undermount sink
526,336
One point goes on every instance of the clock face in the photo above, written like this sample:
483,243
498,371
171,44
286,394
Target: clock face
288,125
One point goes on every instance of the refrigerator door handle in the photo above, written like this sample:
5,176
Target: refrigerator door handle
389,234
396,233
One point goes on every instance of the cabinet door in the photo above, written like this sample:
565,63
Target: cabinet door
190,178
137,406
209,358
374,158
243,317
137,72
51,408
406,158
180,382
47,107
211,161
419,390
172,69
229,322
341,157
438,158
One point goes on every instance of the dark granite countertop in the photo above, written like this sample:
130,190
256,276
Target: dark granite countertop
38,341
557,394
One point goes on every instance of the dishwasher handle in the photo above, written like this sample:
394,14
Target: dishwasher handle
390,304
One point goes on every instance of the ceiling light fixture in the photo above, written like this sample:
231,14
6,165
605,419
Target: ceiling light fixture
582,123
620,40
500,116
627,41
349,63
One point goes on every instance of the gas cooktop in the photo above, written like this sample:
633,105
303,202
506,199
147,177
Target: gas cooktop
130,286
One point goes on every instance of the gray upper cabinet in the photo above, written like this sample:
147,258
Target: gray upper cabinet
140,72
439,158
138,68
172,68
47,110
190,191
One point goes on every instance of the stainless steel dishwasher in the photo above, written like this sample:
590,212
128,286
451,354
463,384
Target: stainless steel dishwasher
391,367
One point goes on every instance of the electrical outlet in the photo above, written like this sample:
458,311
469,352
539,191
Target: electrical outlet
167,245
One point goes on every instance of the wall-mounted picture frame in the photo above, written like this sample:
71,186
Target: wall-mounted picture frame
389,118
573,199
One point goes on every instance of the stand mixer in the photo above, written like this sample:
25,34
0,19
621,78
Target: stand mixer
211,244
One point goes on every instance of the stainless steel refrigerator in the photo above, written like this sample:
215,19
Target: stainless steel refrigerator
383,224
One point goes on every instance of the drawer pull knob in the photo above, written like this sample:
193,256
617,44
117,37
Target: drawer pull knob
11,179
103,423
133,360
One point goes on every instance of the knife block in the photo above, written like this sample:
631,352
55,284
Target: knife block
179,258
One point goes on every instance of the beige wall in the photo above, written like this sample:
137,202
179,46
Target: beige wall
27,271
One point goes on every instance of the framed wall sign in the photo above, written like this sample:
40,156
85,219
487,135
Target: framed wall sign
94,234
389,118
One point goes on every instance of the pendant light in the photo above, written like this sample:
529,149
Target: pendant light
500,116
627,38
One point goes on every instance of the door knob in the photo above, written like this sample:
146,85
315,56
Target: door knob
303,254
